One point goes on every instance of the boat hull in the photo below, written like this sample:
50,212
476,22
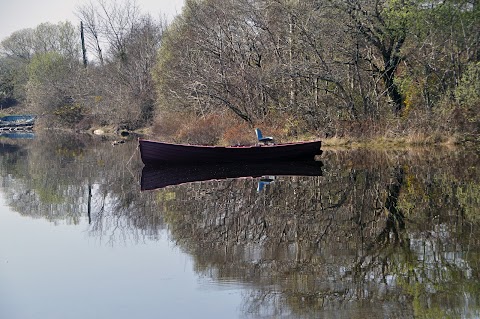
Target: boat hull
155,153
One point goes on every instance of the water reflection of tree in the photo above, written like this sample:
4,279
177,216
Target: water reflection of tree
68,177
341,241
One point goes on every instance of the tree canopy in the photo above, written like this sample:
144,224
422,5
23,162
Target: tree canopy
318,62
323,67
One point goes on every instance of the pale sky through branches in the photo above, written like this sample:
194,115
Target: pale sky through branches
21,14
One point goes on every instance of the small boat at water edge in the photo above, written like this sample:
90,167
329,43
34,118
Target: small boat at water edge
154,177
17,122
157,153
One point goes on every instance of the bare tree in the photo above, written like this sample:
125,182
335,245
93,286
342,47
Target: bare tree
88,16
382,38
125,43
108,23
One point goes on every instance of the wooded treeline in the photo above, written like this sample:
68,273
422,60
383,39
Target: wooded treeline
296,67
43,68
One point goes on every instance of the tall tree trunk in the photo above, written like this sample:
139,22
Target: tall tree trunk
84,50
392,89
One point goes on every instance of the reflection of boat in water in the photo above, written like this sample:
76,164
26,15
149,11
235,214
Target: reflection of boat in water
161,176
264,181
6,148
154,153
17,134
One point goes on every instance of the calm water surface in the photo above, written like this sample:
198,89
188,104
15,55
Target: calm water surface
385,234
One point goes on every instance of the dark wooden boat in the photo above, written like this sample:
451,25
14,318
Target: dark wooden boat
154,177
155,153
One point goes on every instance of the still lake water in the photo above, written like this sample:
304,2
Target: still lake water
380,234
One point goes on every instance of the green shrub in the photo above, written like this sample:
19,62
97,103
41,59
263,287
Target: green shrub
467,92
69,114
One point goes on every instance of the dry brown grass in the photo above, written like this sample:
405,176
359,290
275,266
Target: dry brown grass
211,129
382,142
225,129
238,134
